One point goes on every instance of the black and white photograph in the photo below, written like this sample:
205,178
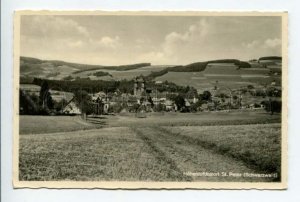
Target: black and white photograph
150,99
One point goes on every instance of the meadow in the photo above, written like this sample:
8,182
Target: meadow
258,145
161,147
107,154
52,124
194,119
226,76
119,75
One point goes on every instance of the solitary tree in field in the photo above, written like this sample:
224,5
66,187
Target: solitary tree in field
46,101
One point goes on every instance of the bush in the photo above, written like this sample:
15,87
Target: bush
272,106
100,73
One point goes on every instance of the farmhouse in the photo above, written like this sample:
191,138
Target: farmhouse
170,105
100,95
71,108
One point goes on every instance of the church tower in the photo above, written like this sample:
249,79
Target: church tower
135,87
139,86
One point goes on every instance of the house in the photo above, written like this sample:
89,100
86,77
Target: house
170,105
147,105
100,95
105,107
71,108
187,103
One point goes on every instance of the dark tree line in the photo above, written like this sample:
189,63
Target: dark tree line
198,67
124,86
41,104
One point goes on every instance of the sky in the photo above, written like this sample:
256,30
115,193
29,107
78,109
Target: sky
160,40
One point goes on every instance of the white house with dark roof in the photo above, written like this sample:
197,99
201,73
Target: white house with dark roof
71,108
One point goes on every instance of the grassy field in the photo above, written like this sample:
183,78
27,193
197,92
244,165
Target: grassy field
107,154
225,75
258,145
52,124
157,148
119,75
193,119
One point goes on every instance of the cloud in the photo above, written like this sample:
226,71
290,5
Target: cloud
272,43
267,43
178,45
194,34
263,47
109,42
55,36
52,27
51,33
253,44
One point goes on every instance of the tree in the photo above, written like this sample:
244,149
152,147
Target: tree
28,103
217,104
273,92
250,87
135,107
206,95
191,93
151,101
116,108
159,107
196,106
83,101
142,100
58,105
45,98
179,101
272,106
68,78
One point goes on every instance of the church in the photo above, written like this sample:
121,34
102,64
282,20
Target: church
139,87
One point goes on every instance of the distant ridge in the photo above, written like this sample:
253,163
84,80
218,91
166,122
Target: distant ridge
199,66
81,67
270,58
56,63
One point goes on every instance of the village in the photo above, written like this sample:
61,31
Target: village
144,99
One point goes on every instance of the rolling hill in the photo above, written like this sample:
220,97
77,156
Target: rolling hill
55,69
231,73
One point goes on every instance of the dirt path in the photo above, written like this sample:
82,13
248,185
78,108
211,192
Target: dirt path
193,161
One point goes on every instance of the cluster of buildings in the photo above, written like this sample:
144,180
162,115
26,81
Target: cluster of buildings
142,100
149,100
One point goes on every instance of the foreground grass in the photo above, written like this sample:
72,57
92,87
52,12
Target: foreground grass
194,119
258,145
184,157
106,154
156,148
52,124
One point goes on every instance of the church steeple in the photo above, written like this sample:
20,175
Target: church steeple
139,86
